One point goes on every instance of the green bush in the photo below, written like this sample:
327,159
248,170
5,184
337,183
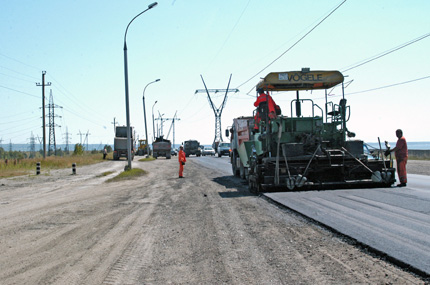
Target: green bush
79,149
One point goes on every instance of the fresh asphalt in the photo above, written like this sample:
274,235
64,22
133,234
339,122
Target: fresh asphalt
393,221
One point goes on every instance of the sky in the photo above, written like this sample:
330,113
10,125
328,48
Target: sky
382,48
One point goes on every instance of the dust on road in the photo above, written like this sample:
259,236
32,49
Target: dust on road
203,229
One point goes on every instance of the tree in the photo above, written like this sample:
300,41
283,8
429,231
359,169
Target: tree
79,149
108,148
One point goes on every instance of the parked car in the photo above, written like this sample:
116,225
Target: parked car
208,151
174,151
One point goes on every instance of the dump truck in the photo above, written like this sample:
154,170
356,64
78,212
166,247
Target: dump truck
120,143
161,147
192,147
311,148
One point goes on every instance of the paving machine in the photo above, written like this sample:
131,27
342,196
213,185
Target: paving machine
310,149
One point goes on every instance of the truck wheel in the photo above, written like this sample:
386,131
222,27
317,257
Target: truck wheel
234,165
242,171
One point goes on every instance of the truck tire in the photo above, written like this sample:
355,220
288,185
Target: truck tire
242,171
234,165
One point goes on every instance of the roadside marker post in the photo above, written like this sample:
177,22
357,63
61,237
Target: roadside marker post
37,168
74,168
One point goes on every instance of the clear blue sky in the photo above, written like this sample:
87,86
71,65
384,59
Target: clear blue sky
80,46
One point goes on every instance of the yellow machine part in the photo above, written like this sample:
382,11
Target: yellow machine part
300,80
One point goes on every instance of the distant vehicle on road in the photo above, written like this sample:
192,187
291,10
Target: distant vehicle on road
174,151
161,147
192,147
120,143
207,150
223,149
142,149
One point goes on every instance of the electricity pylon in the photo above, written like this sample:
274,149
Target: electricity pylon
217,111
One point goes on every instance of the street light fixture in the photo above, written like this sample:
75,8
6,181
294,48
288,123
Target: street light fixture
144,114
153,125
126,87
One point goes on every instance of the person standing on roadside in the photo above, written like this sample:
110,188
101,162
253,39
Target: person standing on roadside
182,160
401,153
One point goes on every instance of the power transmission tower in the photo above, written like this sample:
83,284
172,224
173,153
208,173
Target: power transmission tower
175,118
40,142
32,146
217,111
43,110
52,125
160,130
80,135
86,138
66,150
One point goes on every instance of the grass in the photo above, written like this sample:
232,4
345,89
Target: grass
128,174
105,173
28,165
147,159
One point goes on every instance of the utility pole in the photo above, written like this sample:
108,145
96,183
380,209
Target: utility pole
175,118
43,110
52,124
217,111
114,124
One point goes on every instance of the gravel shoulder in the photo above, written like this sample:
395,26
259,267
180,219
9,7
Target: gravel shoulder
158,229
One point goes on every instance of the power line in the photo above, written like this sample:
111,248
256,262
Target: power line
32,77
20,61
19,91
305,35
391,85
388,52
73,98
8,75
231,32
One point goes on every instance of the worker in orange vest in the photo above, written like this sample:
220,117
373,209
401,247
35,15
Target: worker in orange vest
182,160
401,153
261,102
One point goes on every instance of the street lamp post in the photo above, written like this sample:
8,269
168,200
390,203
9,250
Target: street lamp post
144,114
127,111
153,125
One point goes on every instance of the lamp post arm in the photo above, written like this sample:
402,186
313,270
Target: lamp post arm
125,35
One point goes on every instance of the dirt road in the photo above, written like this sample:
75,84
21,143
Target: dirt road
203,229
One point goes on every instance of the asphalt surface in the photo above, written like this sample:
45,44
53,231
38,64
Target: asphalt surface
394,221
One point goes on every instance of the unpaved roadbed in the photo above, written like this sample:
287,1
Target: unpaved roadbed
203,229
